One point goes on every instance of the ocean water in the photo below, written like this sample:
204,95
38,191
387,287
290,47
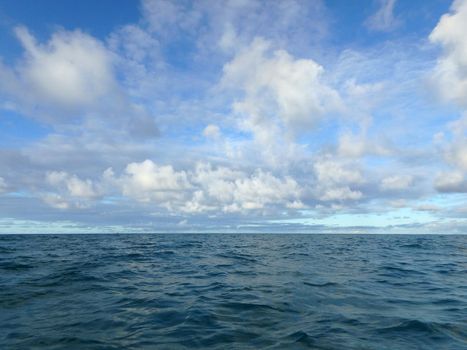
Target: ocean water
226,291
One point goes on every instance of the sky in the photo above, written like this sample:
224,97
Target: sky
323,116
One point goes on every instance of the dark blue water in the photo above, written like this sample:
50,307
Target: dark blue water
233,292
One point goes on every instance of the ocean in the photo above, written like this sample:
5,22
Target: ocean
233,291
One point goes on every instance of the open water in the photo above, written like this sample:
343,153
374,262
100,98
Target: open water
192,291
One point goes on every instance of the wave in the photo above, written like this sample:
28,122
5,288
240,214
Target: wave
233,292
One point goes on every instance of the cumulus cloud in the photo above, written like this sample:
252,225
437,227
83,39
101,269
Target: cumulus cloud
217,190
455,151
69,191
396,182
352,145
335,178
237,191
454,181
278,89
205,188
73,185
450,79
455,155
277,98
71,78
72,70
56,201
148,181
330,170
450,73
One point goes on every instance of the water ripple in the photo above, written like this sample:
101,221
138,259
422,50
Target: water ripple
233,292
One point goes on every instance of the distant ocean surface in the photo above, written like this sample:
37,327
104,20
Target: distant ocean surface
233,291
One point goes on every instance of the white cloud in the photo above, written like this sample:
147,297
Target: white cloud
351,145
450,72
73,185
212,131
457,154
396,182
454,151
277,98
334,178
72,70
330,170
278,89
205,188
148,181
139,60
219,183
383,19
69,191
451,182
72,78
234,191
263,188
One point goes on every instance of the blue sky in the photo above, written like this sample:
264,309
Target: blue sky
233,116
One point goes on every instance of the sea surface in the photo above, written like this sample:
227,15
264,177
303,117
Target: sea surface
233,291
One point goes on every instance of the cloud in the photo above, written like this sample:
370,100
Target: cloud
450,73
232,24
72,70
73,185
69,191
454,181
334,179
235,191
72,79
147,181
212,131
339,194
351,145
167,17
450,79
383,19
396,182
330,170
279,89
277,98
454,152
204,189
56,201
